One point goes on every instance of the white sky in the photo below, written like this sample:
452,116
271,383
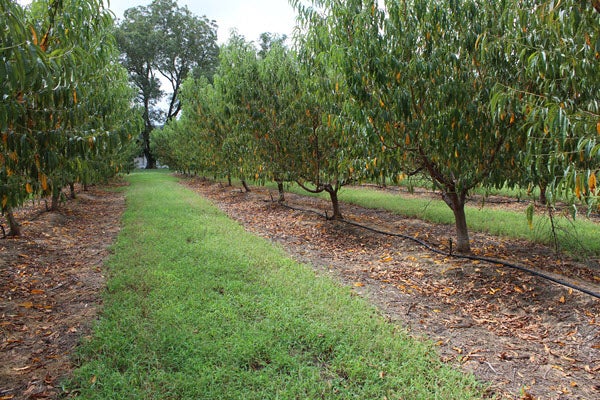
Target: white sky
249,17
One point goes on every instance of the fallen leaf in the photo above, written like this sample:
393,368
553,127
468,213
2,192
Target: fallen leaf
37,291
27,304
359,284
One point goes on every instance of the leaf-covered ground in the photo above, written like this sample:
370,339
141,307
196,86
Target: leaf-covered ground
527,337
50,286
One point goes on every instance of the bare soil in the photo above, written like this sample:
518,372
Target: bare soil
523,336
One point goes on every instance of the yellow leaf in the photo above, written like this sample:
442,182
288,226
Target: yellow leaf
562,300
518,289
387,259
75,96
592,182
44,181
37,291
359,284
598,127
28,188
34,34
27,304
407,139
4,200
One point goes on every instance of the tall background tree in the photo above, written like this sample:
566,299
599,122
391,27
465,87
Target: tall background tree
161,44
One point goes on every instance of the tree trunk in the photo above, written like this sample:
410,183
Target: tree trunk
281,192
543,197
246,188
228,179
72,189
456,202
333,195
55,200
150,160
15,228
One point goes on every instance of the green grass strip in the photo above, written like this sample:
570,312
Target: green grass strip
197,308
579,237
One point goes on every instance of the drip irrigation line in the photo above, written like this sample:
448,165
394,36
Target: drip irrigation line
460,256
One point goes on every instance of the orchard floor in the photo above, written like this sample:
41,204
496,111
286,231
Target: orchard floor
51,281
527,338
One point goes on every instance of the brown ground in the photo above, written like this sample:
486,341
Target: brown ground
525,336
50,285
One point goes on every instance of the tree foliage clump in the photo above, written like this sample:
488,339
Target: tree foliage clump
555,87
65,113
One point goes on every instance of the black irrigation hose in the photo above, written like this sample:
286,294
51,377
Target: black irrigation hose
463,256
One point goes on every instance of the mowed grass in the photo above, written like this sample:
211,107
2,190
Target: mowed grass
197,308
578,237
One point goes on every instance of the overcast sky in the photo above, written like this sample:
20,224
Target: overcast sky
249,17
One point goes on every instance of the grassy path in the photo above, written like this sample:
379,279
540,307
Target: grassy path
196,308
578,237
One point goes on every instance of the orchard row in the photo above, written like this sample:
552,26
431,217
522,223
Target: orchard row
66,112
468,93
